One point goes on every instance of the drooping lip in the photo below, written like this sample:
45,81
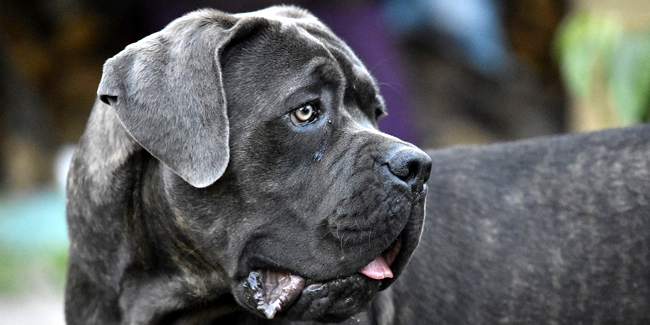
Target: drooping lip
304,291
269,291
379,268
410,238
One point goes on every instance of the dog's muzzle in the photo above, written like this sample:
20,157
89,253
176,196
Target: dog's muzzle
270,291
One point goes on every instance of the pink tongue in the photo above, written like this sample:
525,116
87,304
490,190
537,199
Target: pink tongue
377,269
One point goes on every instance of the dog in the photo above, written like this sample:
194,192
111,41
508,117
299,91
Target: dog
231,172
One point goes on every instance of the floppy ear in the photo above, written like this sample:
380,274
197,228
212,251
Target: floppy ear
167,91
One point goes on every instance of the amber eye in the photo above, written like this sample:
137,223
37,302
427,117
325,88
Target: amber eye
304,114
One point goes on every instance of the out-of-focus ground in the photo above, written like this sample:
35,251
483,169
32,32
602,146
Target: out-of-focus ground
32,308
470,71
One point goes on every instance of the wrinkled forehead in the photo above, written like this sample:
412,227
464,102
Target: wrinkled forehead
312,42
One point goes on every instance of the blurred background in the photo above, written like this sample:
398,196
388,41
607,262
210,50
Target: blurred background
451,71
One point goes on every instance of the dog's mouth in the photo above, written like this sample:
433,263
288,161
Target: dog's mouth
270,291
379,268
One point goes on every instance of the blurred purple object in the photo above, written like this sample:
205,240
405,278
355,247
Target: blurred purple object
365,30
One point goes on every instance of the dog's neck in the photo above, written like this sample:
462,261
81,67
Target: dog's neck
140,274
167,275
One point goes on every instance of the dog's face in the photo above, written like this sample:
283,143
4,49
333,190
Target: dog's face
313,210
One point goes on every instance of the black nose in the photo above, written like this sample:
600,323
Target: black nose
411,165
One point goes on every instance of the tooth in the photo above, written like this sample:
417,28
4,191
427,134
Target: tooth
273,291
271,309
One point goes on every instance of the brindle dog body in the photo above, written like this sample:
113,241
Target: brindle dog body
232,170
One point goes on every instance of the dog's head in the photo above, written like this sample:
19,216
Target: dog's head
267,166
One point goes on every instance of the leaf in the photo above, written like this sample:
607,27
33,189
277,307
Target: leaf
629,77
584,40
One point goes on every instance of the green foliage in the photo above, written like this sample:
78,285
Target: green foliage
583,42
590,45
629,77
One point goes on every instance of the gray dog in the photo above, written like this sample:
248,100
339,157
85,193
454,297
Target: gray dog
231,173
232,170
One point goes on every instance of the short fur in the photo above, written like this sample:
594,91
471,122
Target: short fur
191,174
545,231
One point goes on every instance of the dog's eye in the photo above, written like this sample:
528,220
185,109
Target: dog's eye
303,115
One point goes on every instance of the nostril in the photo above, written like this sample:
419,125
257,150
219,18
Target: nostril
405,171
410,165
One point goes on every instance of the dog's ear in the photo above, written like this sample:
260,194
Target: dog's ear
167,91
